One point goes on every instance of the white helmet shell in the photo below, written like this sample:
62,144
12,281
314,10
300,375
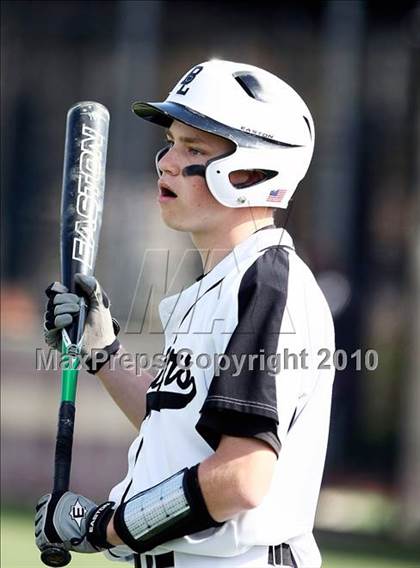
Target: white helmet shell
269,123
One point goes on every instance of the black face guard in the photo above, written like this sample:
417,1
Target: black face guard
193,170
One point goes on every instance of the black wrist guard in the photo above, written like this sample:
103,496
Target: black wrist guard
172,509
97,524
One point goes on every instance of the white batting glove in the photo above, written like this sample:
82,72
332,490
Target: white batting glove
100,329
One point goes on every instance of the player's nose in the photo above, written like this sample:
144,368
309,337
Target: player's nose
168,163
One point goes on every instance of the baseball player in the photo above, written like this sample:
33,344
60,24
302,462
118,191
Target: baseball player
227,466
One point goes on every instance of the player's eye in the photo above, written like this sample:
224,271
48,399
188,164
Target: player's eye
195,152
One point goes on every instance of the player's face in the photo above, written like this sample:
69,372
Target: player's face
186,202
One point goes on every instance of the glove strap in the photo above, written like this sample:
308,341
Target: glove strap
97,524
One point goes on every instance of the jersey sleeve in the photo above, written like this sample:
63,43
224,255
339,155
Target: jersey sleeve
244,403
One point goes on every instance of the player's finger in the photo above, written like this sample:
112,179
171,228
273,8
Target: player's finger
87,284
70,308
55,288
63,321
67,298
90,288
42,501
93,289
59,299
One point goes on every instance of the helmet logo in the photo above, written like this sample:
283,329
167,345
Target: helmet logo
183,90
256,132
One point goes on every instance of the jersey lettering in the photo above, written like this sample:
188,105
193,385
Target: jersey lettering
157,399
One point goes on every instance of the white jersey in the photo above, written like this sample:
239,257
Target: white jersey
245,356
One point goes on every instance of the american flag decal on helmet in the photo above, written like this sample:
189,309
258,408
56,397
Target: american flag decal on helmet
276,195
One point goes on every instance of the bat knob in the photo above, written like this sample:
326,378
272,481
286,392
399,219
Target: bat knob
55,556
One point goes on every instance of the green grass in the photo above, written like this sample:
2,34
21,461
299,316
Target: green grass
18,550
359,551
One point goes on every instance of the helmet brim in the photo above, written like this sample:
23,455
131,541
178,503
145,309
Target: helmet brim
152,112
164,114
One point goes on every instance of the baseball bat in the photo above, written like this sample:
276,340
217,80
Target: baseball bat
81,217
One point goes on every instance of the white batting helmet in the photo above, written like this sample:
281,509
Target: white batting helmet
269,123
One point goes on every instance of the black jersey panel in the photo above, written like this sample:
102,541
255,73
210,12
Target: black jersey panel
261,305
215,423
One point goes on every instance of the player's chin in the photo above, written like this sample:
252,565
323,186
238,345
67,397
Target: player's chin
182,223
174,220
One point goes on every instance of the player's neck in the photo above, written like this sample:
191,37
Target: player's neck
214,246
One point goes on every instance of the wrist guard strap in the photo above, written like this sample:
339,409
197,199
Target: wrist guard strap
172,509
97,525
95,363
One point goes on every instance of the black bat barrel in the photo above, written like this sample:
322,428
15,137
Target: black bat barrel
83,190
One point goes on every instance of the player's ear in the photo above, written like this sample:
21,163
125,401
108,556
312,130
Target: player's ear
245,178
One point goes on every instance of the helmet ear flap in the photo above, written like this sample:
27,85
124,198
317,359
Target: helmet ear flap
159,155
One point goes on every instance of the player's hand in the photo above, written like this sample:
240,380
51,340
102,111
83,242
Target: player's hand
72,521
62,307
